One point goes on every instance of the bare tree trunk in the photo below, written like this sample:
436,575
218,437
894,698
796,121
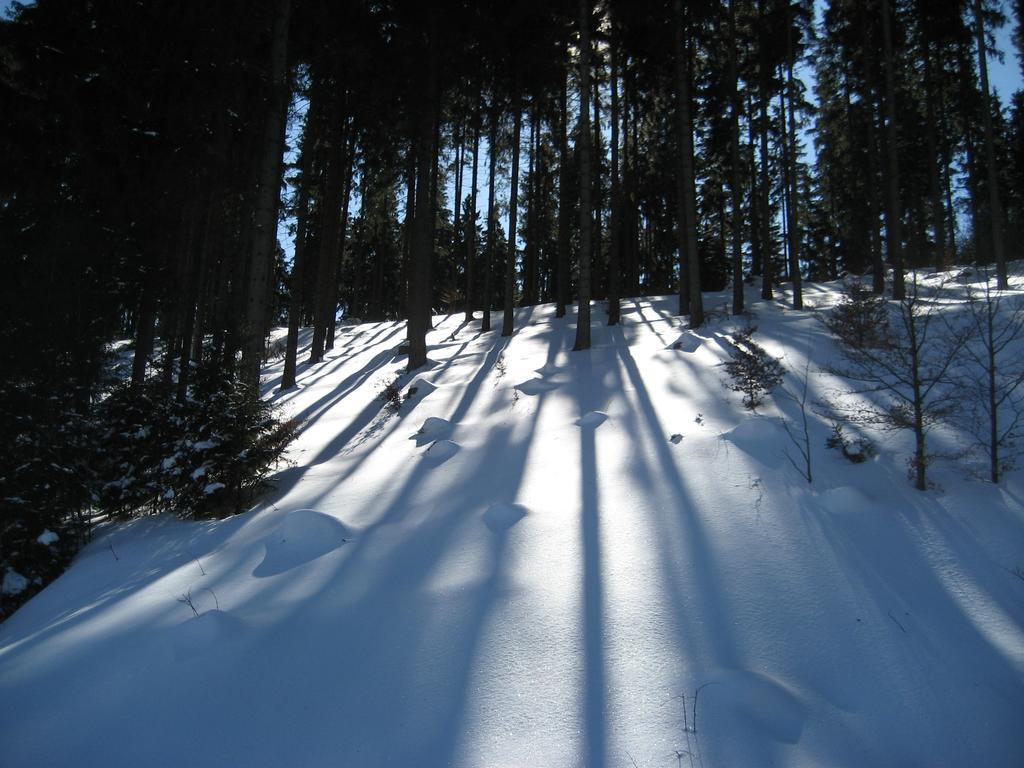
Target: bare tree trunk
792,224
492,226
338,256
330,226
995,205
471,220
735,192
874,241
690,300
934,172
513,205
423,235
764,214
410,208
615,221
893,216
460,160
268,198
300,258
583,150
562,291
529,297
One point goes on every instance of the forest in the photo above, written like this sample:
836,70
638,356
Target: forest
180,178
459,383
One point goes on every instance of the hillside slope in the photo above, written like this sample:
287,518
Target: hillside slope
539,560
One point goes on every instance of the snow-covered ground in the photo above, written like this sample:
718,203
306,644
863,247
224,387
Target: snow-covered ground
545,558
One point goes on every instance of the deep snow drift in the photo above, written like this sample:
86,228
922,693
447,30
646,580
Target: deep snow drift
539,560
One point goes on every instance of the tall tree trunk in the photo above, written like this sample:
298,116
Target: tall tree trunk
191,297
596,158
407,229
436,183
893,216
615,221
690,300
471,220
947,180
735,162
767,246
995,205
513,205
630,237
529,297
874,241
562,292
934,171
492,225
460,160
299,259
423,234
756,242
338,256
330,226
583,151
792,224
268,197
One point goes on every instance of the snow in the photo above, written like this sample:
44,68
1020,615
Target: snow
212,488
47,537
522,565
14,583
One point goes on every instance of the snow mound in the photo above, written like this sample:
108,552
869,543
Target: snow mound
433,429
500,517
761,439
689,342
209,630
756,703
534,387
549,369
592,420
844,500
440,451
420,388
302,536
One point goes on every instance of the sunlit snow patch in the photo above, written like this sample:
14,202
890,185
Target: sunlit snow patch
302,536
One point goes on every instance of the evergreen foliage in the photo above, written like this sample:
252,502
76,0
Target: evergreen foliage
752,370
203,456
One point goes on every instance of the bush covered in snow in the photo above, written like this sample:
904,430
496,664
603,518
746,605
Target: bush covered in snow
65,463
204,456
46,484
752,370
